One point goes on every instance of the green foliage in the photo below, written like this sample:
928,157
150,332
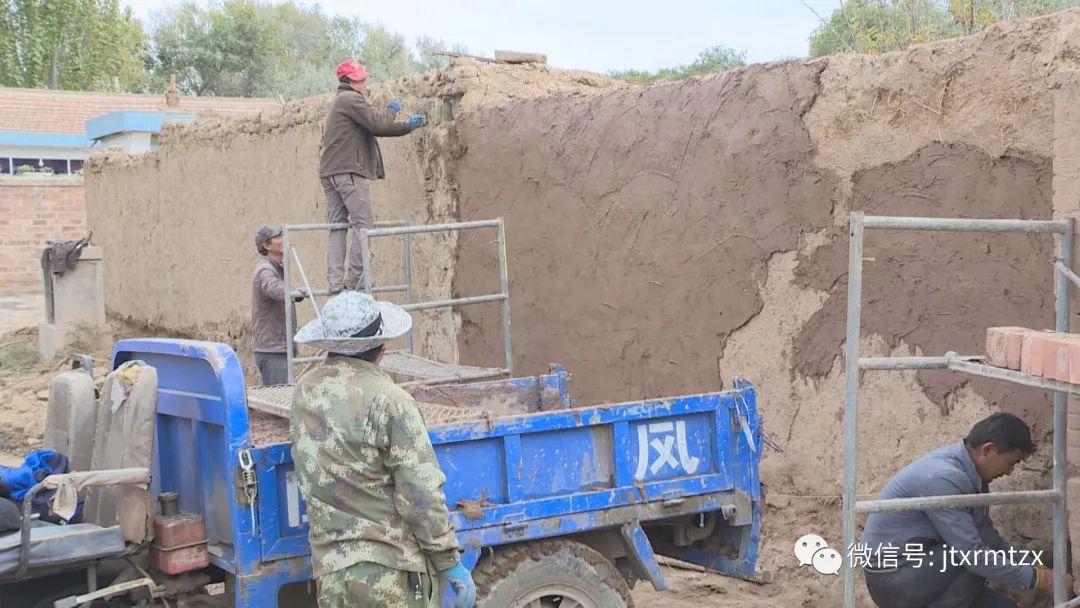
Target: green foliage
882,26
425,58
71,44
225,50
712,60
228,47
245,48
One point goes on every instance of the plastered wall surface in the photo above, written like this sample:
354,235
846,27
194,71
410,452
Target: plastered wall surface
663,240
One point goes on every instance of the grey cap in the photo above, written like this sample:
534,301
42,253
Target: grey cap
263,236
353,322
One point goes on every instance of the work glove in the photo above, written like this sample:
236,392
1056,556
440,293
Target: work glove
1044,580
394,106
300,294
460,579
416,121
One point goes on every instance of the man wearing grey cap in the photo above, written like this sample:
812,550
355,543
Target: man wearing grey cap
379,531
268,308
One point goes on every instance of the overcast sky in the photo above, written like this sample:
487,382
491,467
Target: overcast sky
597,35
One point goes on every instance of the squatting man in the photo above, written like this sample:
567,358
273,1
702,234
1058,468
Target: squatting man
943,558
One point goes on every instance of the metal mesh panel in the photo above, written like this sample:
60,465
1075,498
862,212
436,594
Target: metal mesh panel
270,421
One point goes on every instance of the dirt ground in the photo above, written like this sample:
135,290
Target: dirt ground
19,311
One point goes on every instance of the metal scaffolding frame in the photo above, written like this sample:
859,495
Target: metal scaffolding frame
854,366
504,277
291,256
402,229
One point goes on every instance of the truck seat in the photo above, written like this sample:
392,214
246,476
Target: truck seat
53,545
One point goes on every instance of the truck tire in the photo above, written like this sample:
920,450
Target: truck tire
550,574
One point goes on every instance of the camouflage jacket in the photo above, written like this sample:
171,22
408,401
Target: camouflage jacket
367,471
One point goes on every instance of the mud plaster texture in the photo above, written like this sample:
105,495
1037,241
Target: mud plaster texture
177,223
664,240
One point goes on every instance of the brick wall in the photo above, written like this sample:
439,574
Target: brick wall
34,210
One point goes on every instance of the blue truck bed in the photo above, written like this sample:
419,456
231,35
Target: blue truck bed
675,476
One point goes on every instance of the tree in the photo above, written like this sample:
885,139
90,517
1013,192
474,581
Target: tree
71,44
308,46
224,50
425,57
881,26
712,60
243,47
385,54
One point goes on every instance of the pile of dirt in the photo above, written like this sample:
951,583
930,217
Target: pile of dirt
25,378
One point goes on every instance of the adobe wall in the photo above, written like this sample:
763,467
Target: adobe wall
664,240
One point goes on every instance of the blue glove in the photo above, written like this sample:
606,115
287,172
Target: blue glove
394,106
460,580
416,121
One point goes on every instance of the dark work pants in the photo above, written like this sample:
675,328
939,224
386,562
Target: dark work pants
348,199
929,587
273,367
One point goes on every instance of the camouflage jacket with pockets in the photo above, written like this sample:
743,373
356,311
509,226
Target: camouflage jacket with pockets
368,472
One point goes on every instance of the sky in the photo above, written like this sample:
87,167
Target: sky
597,35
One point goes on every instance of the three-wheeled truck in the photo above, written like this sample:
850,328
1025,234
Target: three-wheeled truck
554,505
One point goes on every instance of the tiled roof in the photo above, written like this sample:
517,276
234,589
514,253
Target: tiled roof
49,111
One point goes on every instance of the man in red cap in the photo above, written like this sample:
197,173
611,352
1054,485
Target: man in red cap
350,160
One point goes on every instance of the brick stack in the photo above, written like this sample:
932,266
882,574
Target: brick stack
1049,354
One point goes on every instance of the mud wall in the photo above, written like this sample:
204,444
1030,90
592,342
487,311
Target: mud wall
177,224
664,240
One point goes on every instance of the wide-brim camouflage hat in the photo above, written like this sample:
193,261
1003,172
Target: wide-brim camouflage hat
353,322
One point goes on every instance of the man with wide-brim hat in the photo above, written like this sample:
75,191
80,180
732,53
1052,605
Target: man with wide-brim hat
379,528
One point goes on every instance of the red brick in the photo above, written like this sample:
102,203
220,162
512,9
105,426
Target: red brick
30,214
1055,357
1031,354
996,341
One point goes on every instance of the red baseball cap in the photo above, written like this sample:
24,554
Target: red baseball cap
352,69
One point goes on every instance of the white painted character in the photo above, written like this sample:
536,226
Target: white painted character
664,438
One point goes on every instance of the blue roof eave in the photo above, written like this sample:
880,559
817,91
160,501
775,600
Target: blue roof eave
131,121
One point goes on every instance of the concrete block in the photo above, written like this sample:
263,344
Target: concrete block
52,339
79,294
